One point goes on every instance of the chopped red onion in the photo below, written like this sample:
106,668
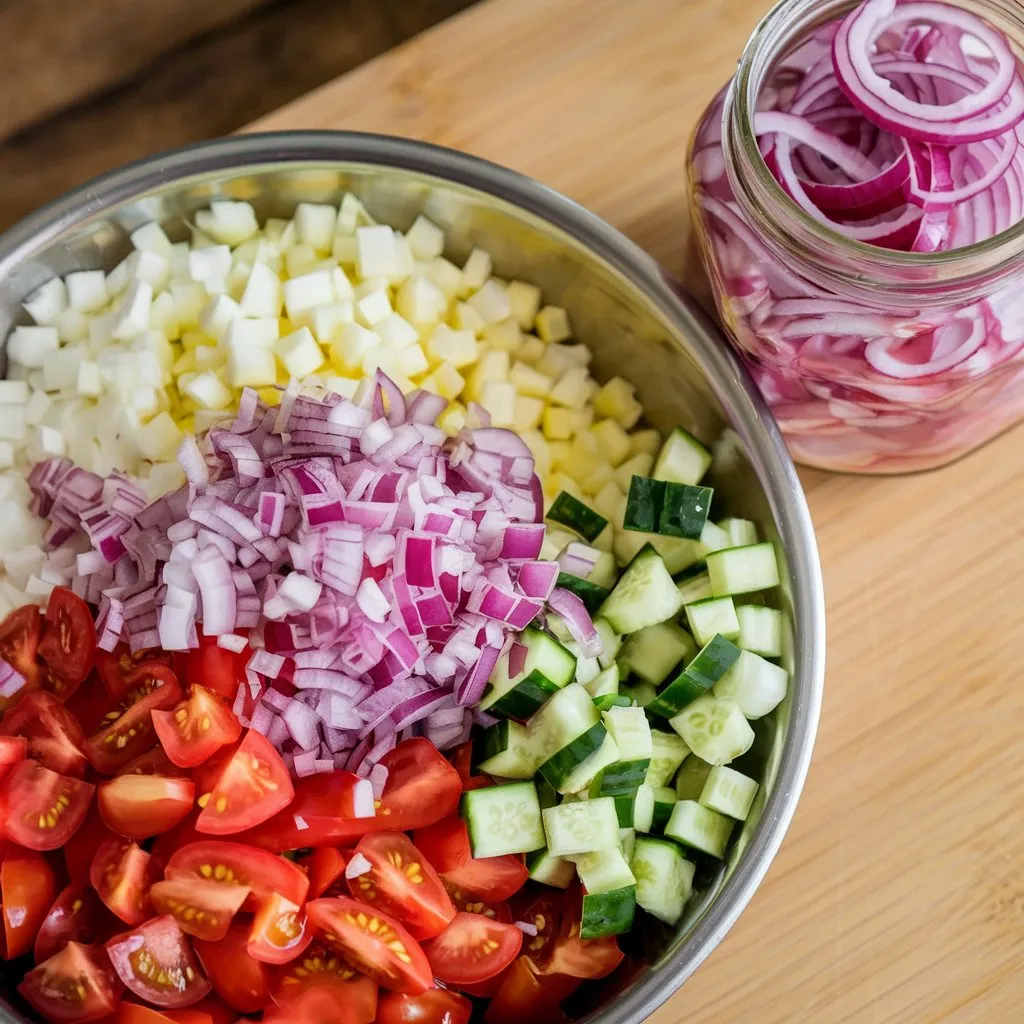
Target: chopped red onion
577,620
363,805
357,866
232,642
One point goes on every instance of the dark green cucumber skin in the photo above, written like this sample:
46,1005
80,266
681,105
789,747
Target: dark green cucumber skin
624,810
571,512
525,698
557,768
710,663
644,504
547,795
490,742
589,593
608,913
684,510
662,812
611,700
623,778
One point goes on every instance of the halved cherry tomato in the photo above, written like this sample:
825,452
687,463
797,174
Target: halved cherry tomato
557,948
127,731
196,728
472,949
253,786
462,762
372,942
422,787
435,1006
75,984
215,667
13,750
324,867
235,864
242,982
320,970
122,874
202,908
81,848
491,879
19,641
26,890
68,645
116,667
77,915
280,932
153,762
43,809
138,806
522,997
156,962
402,883
53,734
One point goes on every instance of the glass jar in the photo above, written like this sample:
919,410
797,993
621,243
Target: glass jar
872,360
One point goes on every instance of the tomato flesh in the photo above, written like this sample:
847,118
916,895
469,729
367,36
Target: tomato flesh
202,909
74,985
43,809
26,891
68,644
77,915
20,633
156,962
196,728
253,786
436,1006
127,731
280,931
472,949
242,982
116,667
52,734
320,970
372,942
557,948
402,883
138,806
122,874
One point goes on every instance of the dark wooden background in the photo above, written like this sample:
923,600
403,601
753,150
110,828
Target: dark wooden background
86,85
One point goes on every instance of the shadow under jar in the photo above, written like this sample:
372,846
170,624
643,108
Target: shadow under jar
893,354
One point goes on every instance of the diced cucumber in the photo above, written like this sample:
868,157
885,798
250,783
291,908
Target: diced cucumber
605,571
653,652
568,714
643,808
644,595
587,669
604,870
682,459
743,570
547,667
607,701
691,777
554,871
678,553
714,659
624,808
714,729
580,826
729,792
608,913
505,750
558,769
605,684
632,734
611,642
589,593
760,630
555,541
695,588
503,819
713,538
664,802
627,840
644,504
571,512
699,827
664,878
558,629
668,752
756,685
741,532
666,508
583,774
640,693
547,795
716,615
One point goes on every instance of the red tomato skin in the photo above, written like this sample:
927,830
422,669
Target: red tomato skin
239,980
20,633
52,734
522,998
68,644
462,761
77,915
13,750
80,850
324,867
215,667
320,970
463,955
31,792
27,887
186,740
557,949
122,874
138,806
435,1006
92,971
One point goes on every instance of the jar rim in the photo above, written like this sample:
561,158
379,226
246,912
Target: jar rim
783,25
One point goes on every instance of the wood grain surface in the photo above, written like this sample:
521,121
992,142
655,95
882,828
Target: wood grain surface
898,895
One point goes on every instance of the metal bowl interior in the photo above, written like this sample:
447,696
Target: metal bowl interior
622,305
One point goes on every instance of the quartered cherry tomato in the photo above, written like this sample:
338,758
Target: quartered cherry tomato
138,806
462,760
325,867
52,733
116,667
215,668
522,998
76,984
557,948
13,750
77,915
302,983
43,809
196,728
26,893
81,848
20,633
68,644
242,982
435,1006
203,909
472,949
122,874
280,931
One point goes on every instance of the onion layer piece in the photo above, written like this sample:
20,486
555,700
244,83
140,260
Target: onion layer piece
377,567
900,127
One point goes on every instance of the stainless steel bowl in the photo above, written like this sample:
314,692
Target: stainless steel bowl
622,304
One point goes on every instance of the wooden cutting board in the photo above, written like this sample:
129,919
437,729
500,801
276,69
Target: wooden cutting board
898,895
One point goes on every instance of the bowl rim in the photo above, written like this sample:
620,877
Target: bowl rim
727,378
